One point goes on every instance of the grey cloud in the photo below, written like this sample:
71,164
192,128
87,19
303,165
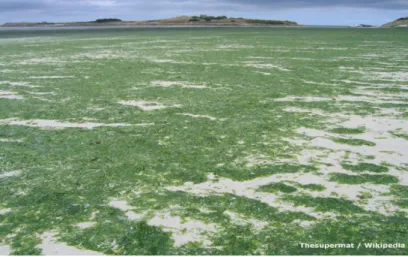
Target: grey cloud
15,5
380,4
68,10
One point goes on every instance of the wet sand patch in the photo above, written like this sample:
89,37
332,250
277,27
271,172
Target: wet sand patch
18,84
157,60
9,174
331,155
11,140
43,99
265,66
342,98
264,73
5,211
303,99
317,83
120,204
50,246
300,110
246,189
51,77
379,130
184,230
327,152
200,116
302,59
242,220
234,46
10,95
42,61
253,160
85,225
5,250
126,208
183,84
149,105
96,108
101,54
40,93
7,71
54,124
391,76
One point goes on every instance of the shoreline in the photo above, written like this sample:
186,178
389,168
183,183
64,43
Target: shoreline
74,25
97,27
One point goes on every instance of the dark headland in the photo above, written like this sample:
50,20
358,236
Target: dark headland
401,22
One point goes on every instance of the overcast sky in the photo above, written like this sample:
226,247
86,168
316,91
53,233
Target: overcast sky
309,12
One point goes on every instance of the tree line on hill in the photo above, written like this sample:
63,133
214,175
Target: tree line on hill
208,18
107,20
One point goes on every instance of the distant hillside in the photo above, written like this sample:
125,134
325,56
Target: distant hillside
206,19
401,22
202,20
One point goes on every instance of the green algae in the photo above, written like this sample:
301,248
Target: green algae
359,179
361,167
348,130
69,174
353,142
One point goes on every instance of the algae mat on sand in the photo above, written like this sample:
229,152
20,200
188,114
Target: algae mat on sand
203,141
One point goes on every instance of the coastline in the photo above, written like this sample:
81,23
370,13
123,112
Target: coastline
138,25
